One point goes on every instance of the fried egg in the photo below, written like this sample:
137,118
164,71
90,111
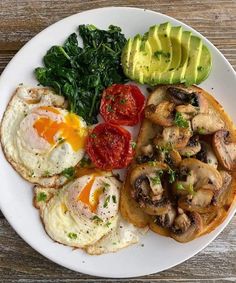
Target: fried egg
40,138
84,214
83,211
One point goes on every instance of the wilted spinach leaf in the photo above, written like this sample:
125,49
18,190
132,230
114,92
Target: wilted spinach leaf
81,74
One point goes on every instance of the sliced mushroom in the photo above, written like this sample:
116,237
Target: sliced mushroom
186,227
147,188
200,102
166,220
195,175
180,96
168,155
192,148
225,149
177,137
220,197
200,202
188,111
143,159
147,150
147,154
172,158
161,114
207,155
206,124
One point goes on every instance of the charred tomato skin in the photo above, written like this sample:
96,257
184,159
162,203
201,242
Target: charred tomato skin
109,147
122,104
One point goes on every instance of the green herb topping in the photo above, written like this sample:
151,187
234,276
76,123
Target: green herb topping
60,140
108,224
107,200
165,148
96,219
41,196
160,53
123,101
171,174
85,162
179,186
109,108
157,179
133,144
69,173
72,236
201,131
180,121
46,173
114,199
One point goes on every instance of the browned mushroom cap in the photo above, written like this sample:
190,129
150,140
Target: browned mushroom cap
186,227
207,155
220,196
201,201
187,111
178,95
195,175
147,188
147,150
161,114
206,124
225,149
177,137
192,148
181,96
166,220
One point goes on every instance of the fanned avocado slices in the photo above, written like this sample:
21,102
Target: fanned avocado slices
166,55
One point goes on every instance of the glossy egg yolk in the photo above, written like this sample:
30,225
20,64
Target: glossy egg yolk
69,130
91,200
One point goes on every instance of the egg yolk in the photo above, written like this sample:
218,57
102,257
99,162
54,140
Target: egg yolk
84,196
70,130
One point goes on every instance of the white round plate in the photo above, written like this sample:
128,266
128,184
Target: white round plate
155,253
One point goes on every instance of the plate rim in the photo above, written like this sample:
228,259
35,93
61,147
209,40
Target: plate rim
101,274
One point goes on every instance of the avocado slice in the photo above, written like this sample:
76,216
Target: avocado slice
162,55
134,53
166,48
178,73
142,65
125,56
204,66
175,37
195,50
155,45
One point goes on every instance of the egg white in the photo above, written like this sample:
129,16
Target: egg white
121,236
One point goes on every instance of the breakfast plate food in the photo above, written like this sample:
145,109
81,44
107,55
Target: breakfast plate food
110,149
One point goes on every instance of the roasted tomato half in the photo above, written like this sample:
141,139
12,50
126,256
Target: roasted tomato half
109,147
122,104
